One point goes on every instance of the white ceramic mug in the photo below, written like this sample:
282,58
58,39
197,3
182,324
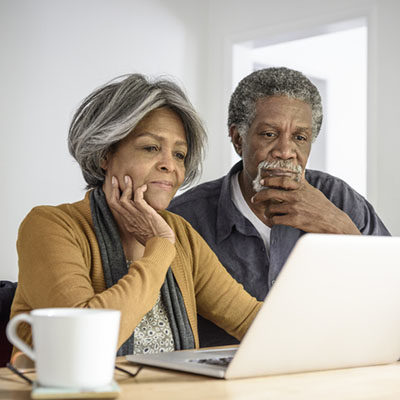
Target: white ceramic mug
72,347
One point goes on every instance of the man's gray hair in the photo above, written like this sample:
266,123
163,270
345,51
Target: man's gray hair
272,82
111,112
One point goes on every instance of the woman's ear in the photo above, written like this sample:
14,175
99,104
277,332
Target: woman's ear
236,139
104,162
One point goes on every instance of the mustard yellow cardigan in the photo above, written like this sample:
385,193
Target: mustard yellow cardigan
60,266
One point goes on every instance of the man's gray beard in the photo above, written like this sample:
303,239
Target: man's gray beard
278,164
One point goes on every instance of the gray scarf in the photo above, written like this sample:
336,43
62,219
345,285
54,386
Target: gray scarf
114,268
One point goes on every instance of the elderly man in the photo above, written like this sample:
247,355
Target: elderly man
253,216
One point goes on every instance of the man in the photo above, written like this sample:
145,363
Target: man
253,216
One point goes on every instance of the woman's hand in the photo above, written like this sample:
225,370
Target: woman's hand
135,217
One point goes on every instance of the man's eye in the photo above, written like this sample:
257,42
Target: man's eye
268,134
300,138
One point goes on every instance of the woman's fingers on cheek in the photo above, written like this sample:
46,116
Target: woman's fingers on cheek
127,192
115,201
114,184
115,190
116,205
139,194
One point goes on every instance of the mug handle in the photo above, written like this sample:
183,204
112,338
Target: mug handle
13,337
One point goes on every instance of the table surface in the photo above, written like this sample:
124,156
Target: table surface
377,382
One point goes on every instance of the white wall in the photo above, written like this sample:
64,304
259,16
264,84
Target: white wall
53,53
384,110
233,21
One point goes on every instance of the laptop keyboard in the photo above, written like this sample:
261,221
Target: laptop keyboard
219,361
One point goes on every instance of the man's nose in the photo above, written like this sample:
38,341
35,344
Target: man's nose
283,148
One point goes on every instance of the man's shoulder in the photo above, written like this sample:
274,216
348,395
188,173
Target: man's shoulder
316,176
336,190
203,192
327,182
343,196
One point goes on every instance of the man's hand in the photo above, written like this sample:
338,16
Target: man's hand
134,216
302,206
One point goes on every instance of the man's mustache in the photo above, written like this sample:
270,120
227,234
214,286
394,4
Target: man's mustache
286,165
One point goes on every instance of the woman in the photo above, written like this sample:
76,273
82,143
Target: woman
136,142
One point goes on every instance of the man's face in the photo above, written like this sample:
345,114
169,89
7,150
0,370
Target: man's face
277,143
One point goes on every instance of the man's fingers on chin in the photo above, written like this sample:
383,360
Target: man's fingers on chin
276,217
278,208
272,195
284,219
263,195
281,182
268,221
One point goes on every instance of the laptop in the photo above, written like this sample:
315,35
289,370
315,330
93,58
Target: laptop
335,304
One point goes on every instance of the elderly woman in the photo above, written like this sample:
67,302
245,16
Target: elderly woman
136,142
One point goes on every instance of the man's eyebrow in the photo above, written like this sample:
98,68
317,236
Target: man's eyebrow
300,129
303,129
262,125
159,138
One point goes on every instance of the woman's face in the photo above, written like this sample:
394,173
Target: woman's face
153,154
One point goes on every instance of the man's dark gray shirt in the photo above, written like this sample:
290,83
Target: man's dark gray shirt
238,245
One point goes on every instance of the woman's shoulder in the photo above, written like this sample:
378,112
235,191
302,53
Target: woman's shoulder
67,215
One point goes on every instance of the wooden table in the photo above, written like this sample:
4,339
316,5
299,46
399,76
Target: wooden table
379,382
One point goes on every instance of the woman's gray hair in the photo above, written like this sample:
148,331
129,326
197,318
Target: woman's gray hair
111,112
272,82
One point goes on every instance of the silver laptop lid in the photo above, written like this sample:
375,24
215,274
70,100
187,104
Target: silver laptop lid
335,304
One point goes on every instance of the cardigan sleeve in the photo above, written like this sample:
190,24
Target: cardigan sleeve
220,298
55,263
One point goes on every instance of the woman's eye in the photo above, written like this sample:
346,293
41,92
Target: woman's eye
180,156
150,149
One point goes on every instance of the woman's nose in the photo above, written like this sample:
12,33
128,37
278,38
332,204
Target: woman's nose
166,162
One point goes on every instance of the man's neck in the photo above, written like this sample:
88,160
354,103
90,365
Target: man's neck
246,187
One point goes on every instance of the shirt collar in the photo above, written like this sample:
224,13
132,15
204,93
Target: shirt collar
228,216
